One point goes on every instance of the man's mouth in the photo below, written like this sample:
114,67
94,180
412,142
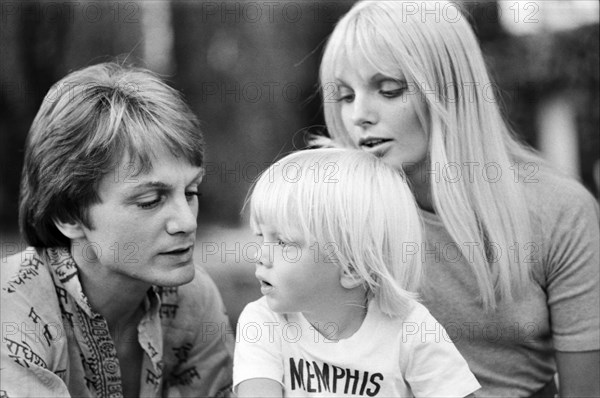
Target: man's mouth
178,252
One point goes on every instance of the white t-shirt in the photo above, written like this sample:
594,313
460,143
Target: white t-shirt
386,357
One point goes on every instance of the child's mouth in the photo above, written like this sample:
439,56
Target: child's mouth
265,287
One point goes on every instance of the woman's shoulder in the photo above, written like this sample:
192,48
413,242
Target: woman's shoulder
550,193
565,220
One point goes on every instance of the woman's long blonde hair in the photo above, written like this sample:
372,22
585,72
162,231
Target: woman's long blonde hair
438,55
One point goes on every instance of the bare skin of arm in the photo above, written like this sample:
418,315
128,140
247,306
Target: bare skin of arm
259,388
578,373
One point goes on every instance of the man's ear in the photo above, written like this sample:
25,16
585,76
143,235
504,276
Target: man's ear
350,279
71,229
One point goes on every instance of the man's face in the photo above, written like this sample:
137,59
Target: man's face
144,228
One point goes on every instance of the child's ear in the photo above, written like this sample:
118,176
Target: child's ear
71,229
350,279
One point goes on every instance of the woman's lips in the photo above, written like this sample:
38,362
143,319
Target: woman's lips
378,148
372,142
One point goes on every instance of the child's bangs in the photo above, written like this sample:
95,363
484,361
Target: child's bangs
272,203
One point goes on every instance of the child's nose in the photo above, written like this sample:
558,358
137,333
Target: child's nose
264,256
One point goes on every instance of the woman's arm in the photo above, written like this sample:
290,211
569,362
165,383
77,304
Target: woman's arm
578,373
259,388
573,290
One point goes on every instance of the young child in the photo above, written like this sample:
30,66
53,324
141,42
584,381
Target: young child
338,262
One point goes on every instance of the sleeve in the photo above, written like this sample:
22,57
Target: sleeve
207,368
26,351
258,345
22,369
573,274
432,365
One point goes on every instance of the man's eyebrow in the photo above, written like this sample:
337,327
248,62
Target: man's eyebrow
163,186
158,185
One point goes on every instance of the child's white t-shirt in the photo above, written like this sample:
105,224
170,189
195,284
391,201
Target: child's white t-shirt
386,357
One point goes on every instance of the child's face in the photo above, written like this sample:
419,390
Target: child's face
294,275
380,114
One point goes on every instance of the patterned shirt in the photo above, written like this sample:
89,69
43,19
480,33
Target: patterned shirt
55,345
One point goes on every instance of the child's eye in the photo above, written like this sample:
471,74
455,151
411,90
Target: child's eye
190,195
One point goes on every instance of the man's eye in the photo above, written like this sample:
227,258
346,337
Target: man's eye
149,204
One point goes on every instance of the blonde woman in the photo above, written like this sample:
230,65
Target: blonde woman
511,252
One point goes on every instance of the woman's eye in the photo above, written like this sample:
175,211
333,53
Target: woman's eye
346,98
281,243
392,93
344,95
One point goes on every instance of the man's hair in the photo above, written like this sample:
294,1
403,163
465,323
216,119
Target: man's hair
357,210
87,124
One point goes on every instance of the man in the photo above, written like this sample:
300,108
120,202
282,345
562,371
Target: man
107,300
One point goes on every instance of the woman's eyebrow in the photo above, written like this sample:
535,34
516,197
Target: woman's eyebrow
379,78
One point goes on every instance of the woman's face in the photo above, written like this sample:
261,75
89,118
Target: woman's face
380,114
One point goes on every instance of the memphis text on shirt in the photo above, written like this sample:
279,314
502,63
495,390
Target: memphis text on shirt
314,378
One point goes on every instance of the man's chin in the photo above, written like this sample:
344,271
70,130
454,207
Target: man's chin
180,276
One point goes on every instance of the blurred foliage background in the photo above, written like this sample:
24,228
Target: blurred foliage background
249,71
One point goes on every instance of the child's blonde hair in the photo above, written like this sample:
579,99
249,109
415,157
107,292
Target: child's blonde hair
433,47
353,207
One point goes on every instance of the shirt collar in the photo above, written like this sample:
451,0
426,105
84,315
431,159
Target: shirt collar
64,267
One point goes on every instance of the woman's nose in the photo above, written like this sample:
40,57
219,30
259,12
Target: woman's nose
364,112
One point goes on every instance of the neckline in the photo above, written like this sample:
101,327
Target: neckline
358,336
